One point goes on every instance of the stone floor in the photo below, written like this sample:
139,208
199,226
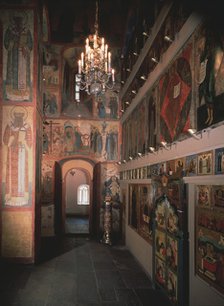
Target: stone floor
80,272
76,225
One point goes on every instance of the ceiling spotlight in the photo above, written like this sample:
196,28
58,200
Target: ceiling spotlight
143,77
122,111
127,102
130,157
134,91
128,69
135,53
124,161
192,132
154,60
139,154
168,39
164,145
122,82
119,163
145,34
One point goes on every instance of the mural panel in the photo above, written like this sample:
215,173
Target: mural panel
17,172
17,55
51,61
93,138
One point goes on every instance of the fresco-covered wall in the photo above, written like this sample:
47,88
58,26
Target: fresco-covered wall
18,131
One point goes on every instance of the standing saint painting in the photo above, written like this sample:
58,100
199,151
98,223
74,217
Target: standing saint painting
17,170
18,47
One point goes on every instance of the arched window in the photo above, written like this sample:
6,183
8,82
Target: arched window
83,195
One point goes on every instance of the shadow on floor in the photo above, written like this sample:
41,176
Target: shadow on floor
79,271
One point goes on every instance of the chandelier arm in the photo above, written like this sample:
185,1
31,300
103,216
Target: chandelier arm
96,27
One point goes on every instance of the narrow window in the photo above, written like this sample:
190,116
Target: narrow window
83,195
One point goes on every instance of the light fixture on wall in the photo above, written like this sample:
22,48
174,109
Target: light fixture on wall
192,132
154,60
168,39
164,145
95,74
72,172
139,154
152,150
145,34
143,77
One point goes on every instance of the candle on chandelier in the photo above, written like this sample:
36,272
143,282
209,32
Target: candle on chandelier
106,48
79,66
109,61
82,60
113,78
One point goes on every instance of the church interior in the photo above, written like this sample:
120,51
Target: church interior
112,152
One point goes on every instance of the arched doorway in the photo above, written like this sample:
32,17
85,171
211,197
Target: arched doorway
77,201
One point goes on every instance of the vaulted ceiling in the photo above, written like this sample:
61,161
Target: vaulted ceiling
71,21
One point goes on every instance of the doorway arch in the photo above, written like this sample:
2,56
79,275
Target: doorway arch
63,179
77,185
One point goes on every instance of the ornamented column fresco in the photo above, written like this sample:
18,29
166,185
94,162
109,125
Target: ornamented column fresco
17,149
18,41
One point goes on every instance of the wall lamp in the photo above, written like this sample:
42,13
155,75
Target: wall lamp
139,154
168,39
154,60
152,150
164,145
145,34
192,132
143,77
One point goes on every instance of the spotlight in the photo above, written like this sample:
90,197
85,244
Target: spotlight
152,150
130,157
135,53
122,82
145,34
139,154
128,69
168,39
119,163
127,102
124,161
143,77
122,111
164,145
154,60
134,91
192,132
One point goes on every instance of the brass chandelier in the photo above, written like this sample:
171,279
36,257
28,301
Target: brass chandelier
95,74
